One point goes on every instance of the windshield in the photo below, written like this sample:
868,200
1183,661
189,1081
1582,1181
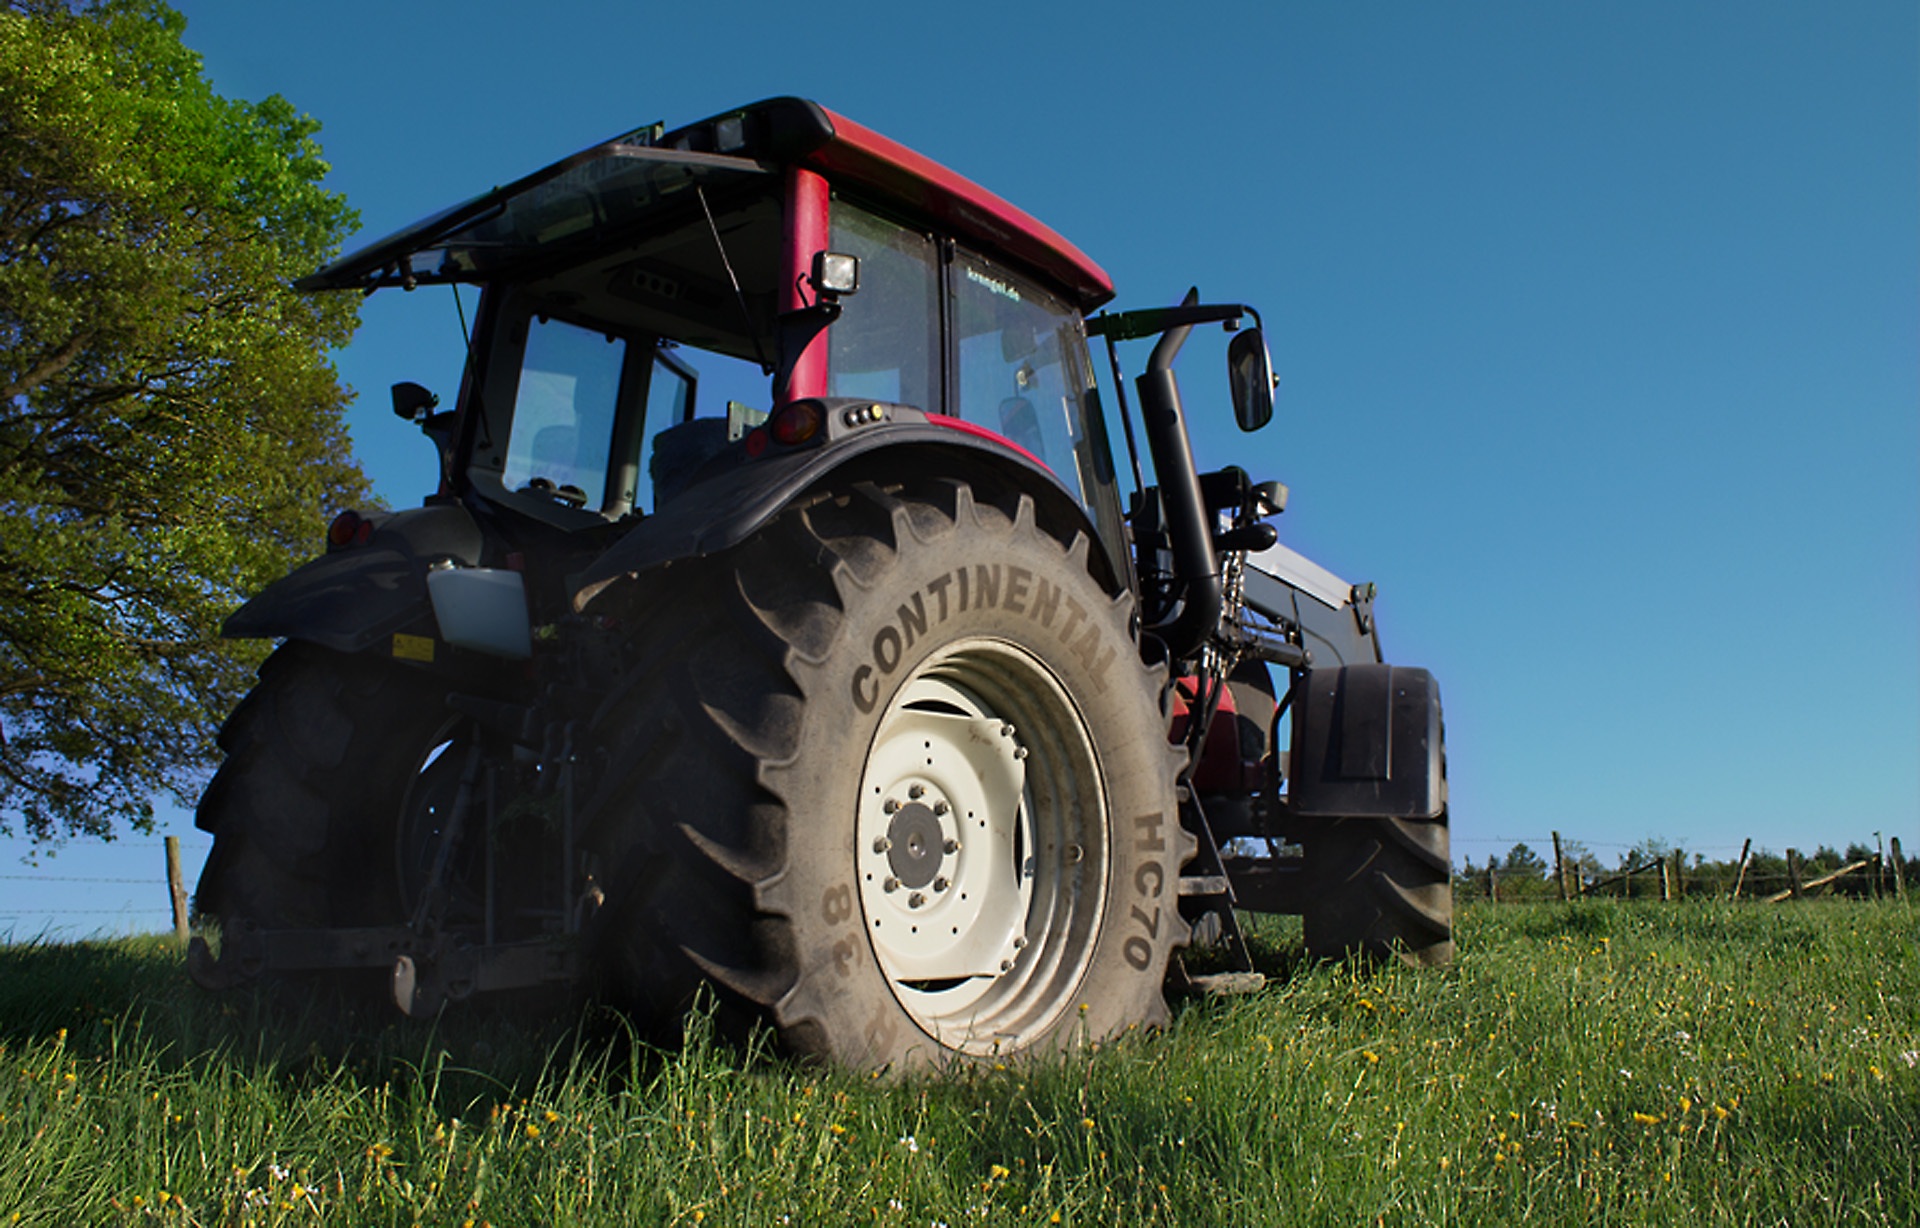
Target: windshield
564,413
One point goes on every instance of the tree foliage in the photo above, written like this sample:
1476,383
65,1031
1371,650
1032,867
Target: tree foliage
171,427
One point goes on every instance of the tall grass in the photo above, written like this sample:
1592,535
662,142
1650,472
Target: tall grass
1605,1063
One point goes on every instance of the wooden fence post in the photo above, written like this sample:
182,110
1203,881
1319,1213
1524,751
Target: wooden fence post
1899,868
1793,873
1740,875
1493,885
177,892
1666,880
1559,867
1679,874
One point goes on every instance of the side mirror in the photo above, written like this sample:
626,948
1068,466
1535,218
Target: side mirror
1250,372
414,403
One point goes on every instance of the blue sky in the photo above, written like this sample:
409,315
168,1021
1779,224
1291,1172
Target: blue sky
1598,329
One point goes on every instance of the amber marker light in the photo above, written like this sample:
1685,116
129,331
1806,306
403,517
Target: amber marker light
796,422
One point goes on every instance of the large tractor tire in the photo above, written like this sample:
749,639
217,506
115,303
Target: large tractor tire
893,778
1382,888
324,757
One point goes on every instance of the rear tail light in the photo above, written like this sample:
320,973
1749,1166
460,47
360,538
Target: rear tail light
349,528
796,422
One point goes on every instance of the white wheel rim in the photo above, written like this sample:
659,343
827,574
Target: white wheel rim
981,848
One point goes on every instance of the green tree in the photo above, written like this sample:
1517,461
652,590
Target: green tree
171,427
1523,863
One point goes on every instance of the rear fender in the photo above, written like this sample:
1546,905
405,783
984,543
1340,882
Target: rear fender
735,497
350,600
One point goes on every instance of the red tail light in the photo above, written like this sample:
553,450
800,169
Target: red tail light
349,528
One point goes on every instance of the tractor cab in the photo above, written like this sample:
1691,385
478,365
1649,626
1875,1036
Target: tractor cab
668,304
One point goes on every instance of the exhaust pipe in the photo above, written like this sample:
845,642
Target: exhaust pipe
1196,568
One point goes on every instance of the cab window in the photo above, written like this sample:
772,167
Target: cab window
886,347
565,409
1019,369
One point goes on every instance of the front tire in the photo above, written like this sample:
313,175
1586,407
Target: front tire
893,776
1382,888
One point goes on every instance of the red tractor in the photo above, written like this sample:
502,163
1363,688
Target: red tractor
779,626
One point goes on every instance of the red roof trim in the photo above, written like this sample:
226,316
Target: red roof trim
864,156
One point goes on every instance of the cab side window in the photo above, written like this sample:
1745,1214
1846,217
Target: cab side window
886,347
1016,369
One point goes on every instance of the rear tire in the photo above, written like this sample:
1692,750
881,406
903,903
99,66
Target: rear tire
321,756
1381,888
898,816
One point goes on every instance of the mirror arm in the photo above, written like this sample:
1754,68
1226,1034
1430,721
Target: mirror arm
1132,325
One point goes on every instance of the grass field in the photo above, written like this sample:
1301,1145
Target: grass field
1609,1063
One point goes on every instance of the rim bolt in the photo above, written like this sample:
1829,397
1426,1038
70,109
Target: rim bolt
941,808
891,884
916,900
1019,752
1020,943
1006,965
1072,854
882,844
940,884
951,846
1006,731
916,792
892,805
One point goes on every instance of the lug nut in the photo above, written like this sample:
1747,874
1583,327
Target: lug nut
882,844
1006,965
916,900
950,846
891,805
916,792
1006,731
941,808
890,884
1019,752
1020,943
1072,854
940,884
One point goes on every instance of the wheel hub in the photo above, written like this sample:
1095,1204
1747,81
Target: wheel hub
915,845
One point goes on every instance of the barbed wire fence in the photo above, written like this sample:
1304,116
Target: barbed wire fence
1573,872
166,911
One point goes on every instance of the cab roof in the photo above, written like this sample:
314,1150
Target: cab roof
595,191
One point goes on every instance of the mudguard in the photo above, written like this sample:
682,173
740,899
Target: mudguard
351,599
734,497
1368,742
